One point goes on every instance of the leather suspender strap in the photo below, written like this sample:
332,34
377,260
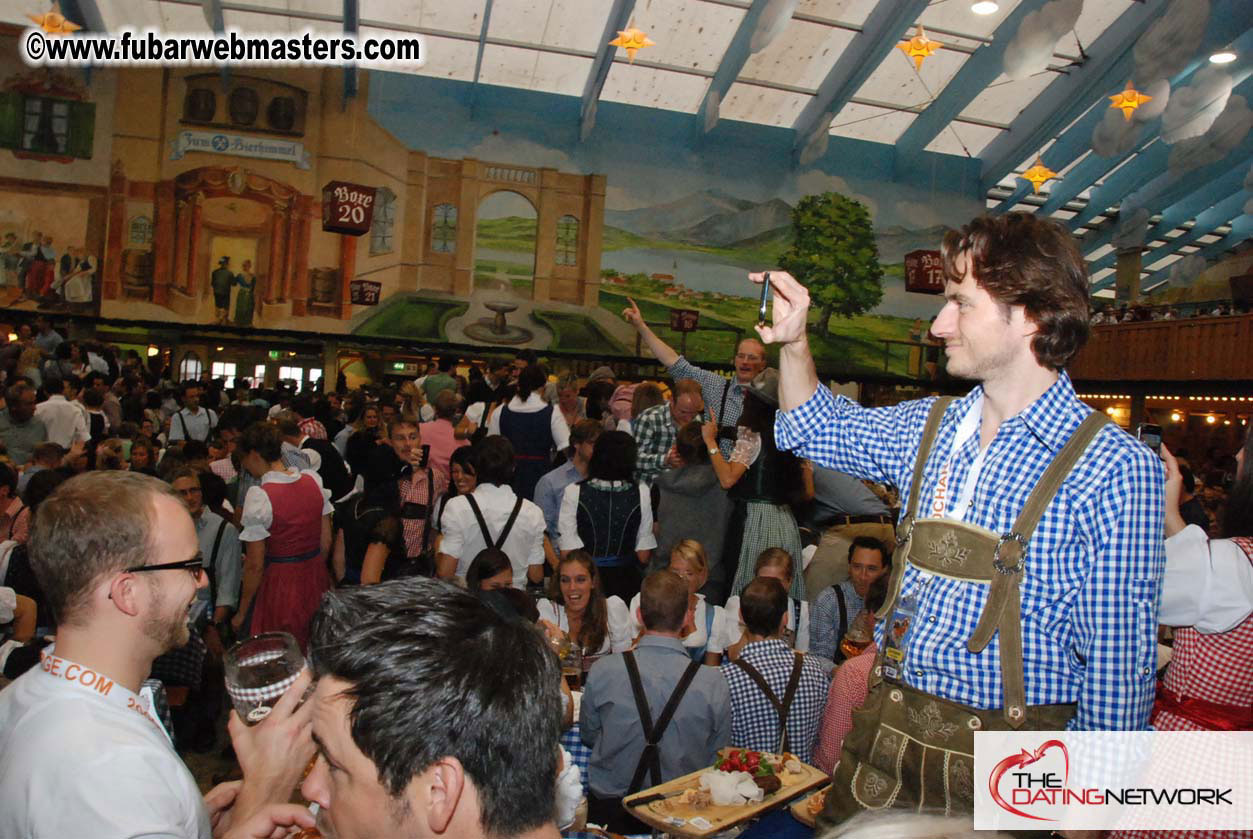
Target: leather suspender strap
905,529
487,534
789,693
842,626
183,423
650,758
1003,611
213,565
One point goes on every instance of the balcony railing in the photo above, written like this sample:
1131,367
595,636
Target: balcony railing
1207,348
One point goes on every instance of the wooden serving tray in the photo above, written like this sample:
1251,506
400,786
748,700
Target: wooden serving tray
676,819
800,807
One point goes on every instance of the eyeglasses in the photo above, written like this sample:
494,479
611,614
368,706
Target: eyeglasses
194,566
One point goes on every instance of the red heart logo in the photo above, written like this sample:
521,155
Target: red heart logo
1025,758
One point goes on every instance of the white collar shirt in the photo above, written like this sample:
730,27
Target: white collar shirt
64,421
463,538
76,761
533,404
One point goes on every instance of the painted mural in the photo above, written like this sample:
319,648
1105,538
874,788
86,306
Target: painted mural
197,198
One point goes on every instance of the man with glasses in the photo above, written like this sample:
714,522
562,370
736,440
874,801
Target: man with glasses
81,750
724,397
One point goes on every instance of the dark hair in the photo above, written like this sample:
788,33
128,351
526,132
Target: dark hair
763,603
1189,480
45,452
585,431
1022,259
598,394
486,563
1238,516
663,601
531,379
434,673
690,445
596,618
41,485
53,384
287,424
871,544
759,415
877,594
8,477
262,438
446,363
303,405
493,460
613,457
511,604
92,398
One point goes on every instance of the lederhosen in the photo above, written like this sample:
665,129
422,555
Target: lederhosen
781,707
619,820
909,749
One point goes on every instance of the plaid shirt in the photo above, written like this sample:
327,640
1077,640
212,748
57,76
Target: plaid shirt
1094,568
310,427
754,720
416,490
654,435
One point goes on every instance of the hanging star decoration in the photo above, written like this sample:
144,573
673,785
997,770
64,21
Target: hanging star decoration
1038,174
919,47
55,23
632,40
1128,101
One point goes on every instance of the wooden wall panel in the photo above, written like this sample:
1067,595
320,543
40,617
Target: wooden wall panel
1219,348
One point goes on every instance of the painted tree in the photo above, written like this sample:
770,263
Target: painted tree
835,256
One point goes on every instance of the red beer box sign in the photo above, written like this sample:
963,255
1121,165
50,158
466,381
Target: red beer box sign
924,272
684,320
347,208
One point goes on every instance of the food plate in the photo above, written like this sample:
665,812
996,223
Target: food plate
679,816
805,810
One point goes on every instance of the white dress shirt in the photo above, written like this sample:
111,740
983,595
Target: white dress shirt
77,762
532,404
199,425
65,421
463,538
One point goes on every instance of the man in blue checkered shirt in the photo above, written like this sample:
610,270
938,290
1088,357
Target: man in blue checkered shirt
797,683
1015,312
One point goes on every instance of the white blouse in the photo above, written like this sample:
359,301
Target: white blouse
698,638
731,627
619,637
258,515
567,519
1208,583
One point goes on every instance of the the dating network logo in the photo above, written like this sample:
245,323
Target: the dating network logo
1027,788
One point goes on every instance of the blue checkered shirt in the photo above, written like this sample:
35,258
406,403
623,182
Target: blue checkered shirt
754,720
824,620
712,387
1094,565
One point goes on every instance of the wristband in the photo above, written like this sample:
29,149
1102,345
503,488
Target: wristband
713,452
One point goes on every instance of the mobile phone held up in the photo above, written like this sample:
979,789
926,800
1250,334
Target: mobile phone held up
1150,435
765,297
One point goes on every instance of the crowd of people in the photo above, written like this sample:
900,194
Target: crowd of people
713,557
1140,313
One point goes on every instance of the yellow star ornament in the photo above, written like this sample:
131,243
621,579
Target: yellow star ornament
1128,101
919,47
632,40
1038,174
55,23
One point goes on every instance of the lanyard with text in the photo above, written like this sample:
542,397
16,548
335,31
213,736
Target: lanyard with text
98,684
945,501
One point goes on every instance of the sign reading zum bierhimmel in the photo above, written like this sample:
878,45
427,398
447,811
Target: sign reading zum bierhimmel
239,145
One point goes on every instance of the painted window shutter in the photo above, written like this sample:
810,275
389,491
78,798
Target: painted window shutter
82,129
11,110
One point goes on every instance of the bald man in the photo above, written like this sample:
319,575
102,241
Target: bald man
724,397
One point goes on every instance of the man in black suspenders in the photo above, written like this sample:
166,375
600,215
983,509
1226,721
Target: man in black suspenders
1024,589
653,714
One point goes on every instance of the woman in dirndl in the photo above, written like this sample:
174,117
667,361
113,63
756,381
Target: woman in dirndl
762,481
286,523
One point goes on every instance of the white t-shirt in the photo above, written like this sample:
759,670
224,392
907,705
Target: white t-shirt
258,514
78,762
620,635
567,520
463,539
731,627
698,638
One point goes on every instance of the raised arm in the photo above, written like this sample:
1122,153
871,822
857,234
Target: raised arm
798,378
660,348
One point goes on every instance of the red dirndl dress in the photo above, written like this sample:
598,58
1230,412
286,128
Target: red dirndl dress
1208,687
295,575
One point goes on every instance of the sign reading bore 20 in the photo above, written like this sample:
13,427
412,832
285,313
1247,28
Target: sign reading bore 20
347,208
